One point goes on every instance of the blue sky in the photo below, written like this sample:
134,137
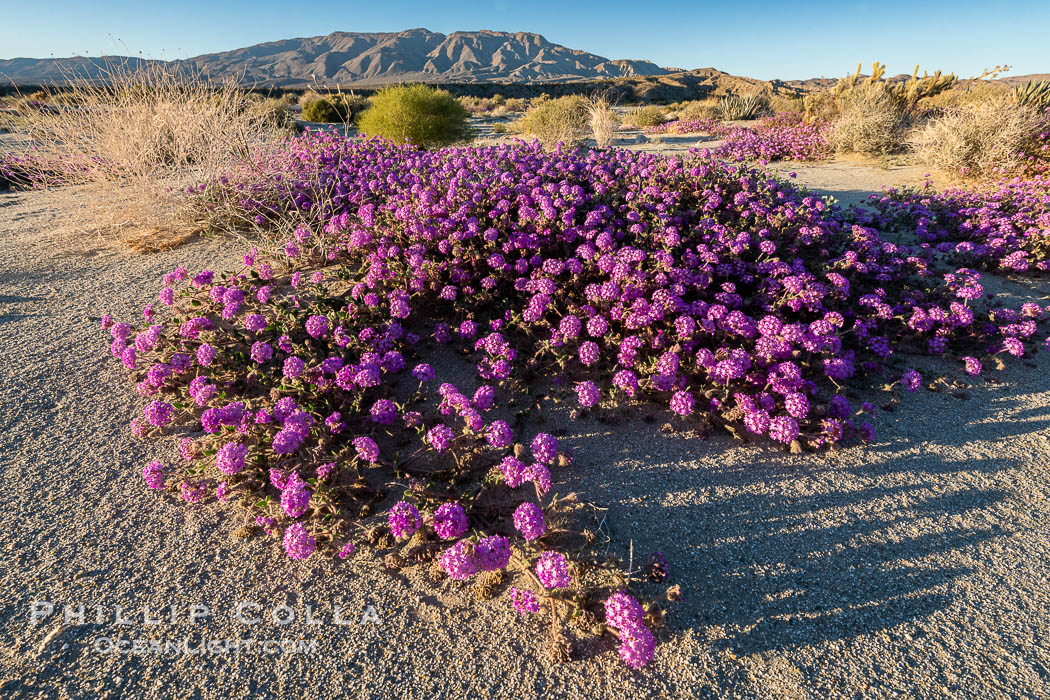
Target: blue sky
759,39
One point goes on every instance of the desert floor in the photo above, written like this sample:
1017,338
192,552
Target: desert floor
917,566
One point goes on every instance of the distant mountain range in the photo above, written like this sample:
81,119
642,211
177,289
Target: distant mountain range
371,59
374,58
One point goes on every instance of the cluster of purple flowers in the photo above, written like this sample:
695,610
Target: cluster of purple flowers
637,644
1002,225
708,287
690,126
776,138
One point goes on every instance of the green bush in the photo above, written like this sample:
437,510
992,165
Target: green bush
322,109
564,120
426,116
333,107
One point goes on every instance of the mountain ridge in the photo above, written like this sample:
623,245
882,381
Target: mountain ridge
371,58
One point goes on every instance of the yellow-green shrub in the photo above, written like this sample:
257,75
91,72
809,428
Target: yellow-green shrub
564,120
423,115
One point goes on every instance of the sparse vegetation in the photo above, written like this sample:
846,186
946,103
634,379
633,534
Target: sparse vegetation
140,139
420,114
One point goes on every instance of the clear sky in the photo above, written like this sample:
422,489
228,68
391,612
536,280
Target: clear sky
759,39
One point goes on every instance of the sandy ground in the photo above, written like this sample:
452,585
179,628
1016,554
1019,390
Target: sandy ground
914,567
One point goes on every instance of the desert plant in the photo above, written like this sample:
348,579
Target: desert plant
601,119
323,110
646,117
786,104
696,110
751,106
564,120
516,104
1033,94
827,104
984,138
423,115
477,105
273,112
139,138
870,122
332,107
965,93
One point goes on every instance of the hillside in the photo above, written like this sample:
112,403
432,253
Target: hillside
353,58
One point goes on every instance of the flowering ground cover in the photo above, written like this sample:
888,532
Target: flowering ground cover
1000,225
308,390
778,137
690,126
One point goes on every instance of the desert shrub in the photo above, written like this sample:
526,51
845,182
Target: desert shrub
820,106
646,117
698,110
139,139
563,120
273,112
423,115
826,105
786,104
323,110
963,94
602,120
516,104
736,107
870,122
501,128
477,105
980,139
332,107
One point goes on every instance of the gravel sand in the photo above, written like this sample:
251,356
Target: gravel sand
914,567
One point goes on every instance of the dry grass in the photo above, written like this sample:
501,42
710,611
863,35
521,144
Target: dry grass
978,139
696,110
870,122
791,104
602,120
139,139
